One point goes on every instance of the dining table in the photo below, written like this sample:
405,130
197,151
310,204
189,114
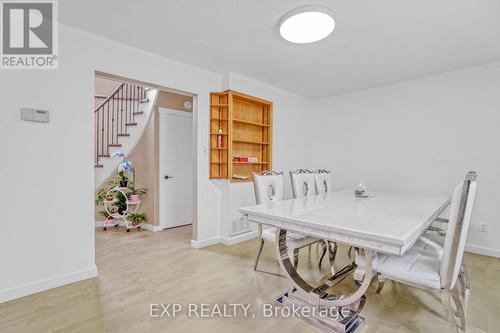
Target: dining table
383,222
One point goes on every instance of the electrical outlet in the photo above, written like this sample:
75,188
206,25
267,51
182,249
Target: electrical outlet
483,226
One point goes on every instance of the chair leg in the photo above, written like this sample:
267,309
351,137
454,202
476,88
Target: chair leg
465,273
460,308
295,258
323,252
448,310
332,253
461,285
381,283
259,251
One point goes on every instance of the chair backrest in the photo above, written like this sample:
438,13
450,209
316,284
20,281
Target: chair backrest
456,233
268,186
322,181
302,183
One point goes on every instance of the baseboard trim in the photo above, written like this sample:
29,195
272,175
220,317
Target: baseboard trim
146,226
198,244
485,251
153,228
42,285
228,241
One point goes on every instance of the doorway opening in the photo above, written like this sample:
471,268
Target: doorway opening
161,150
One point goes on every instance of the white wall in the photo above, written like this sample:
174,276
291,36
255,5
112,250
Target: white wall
404,136
418,136
46,170
290,143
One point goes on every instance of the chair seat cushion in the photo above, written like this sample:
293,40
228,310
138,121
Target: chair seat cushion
413,268
431,246
293,240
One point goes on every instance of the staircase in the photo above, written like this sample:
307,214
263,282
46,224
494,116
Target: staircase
120,121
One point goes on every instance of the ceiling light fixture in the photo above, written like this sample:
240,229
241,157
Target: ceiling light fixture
307,24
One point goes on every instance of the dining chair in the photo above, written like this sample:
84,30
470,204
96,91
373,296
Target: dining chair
268,187
304,185
322,181
432,243
416,268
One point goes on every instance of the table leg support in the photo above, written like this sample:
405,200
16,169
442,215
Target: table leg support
328,312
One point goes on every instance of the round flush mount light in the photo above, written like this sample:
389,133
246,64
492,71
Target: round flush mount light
307,24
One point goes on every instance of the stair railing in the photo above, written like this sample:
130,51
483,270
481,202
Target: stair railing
114,115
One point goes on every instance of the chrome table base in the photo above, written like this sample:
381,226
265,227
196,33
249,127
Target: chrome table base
325,311
321,318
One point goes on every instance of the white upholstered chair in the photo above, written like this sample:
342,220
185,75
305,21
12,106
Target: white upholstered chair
441,272
269,188
322,181
432,244
304,185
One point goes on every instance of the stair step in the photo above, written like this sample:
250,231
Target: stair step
124,134
137,113
103,155
97,165
114,145
130,124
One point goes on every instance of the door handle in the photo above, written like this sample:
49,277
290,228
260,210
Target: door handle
168,177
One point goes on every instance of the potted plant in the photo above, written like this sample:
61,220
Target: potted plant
124,167
108,217
135,192
122,179
121,203
102,194
137,218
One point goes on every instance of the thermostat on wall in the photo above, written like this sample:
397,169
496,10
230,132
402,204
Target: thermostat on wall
39,116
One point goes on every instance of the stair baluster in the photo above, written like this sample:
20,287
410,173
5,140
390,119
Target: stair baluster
114,115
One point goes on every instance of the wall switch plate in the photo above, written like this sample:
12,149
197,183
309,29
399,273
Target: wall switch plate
36,115
483,226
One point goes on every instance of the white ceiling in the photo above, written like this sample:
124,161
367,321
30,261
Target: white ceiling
374,42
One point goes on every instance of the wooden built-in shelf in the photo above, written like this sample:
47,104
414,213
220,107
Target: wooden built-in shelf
246,125
250,122
251,142
250,163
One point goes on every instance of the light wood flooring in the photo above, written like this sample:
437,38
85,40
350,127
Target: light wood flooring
141,267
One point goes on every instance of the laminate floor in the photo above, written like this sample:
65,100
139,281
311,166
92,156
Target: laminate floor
141,268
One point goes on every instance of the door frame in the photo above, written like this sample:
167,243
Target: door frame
162,162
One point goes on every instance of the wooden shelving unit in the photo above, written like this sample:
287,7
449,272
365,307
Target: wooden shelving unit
246,124
219,119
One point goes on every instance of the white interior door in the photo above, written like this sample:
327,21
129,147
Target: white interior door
176,168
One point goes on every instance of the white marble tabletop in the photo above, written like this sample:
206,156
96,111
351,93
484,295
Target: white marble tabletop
386,222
